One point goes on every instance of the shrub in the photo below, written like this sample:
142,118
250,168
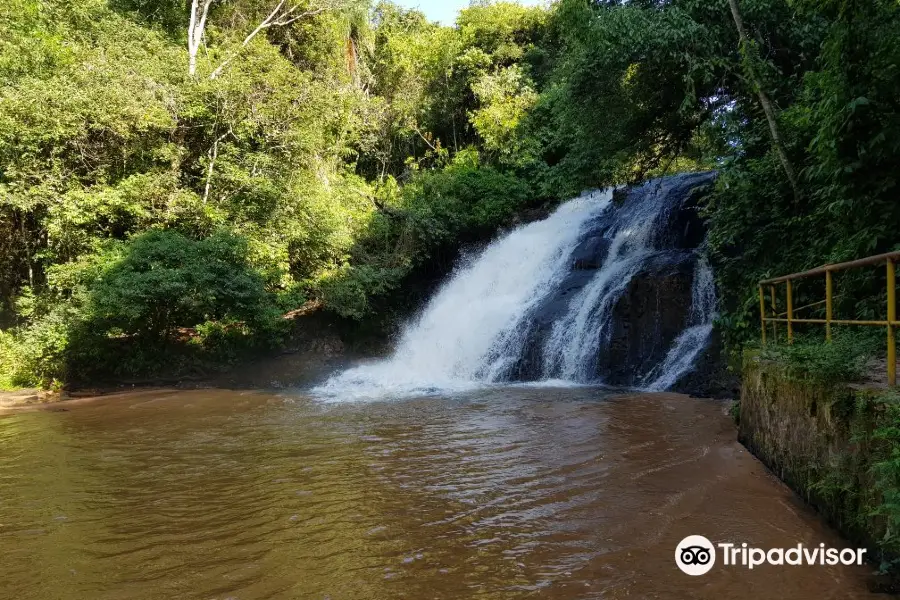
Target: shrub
165,281
845,359
9,361
158,303
36,355
422,227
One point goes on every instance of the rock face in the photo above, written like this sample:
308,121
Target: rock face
649,316
710,377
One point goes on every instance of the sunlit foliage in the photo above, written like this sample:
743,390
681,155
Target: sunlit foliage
343,159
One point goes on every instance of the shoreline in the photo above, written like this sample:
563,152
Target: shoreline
27,400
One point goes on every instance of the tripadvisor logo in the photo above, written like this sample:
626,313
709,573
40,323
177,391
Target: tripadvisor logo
696,555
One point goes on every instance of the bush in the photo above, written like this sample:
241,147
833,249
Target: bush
844,360
422,227
160,303
9,361
165,281
465,199
35,356
349,291
886,473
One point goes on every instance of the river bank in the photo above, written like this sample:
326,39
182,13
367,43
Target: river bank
318,344
836,445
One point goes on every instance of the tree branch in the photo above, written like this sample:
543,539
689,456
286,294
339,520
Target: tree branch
196,30
285,21
213,155
388,211
766,103
274,18
425,139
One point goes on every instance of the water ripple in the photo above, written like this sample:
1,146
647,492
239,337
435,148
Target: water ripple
509,493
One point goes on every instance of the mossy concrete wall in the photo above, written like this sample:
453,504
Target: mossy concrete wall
834,444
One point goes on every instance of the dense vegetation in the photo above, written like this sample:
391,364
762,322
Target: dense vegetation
171,188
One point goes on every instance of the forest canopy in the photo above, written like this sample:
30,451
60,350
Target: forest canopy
177,176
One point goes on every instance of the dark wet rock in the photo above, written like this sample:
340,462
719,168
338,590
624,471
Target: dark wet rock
647,319
687,224
555,306
655,306
685,229
590,253
710,376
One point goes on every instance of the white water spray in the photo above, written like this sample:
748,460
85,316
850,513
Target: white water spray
572,347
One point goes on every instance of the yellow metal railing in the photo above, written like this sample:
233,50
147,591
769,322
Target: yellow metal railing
891,323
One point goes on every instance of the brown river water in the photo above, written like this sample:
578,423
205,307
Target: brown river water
505,493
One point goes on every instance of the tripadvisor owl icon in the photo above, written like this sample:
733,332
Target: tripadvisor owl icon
695,555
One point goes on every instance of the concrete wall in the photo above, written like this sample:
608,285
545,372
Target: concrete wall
835,445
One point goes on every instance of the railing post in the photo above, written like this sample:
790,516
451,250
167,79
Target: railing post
829,290
762,313
774,314
790,311
891,317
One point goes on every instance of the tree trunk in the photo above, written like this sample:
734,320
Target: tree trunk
196,29
766,104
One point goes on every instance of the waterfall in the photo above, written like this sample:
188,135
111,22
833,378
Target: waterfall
577,337
473,325
542,303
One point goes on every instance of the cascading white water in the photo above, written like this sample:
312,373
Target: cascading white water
575,339
473,326
509,314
